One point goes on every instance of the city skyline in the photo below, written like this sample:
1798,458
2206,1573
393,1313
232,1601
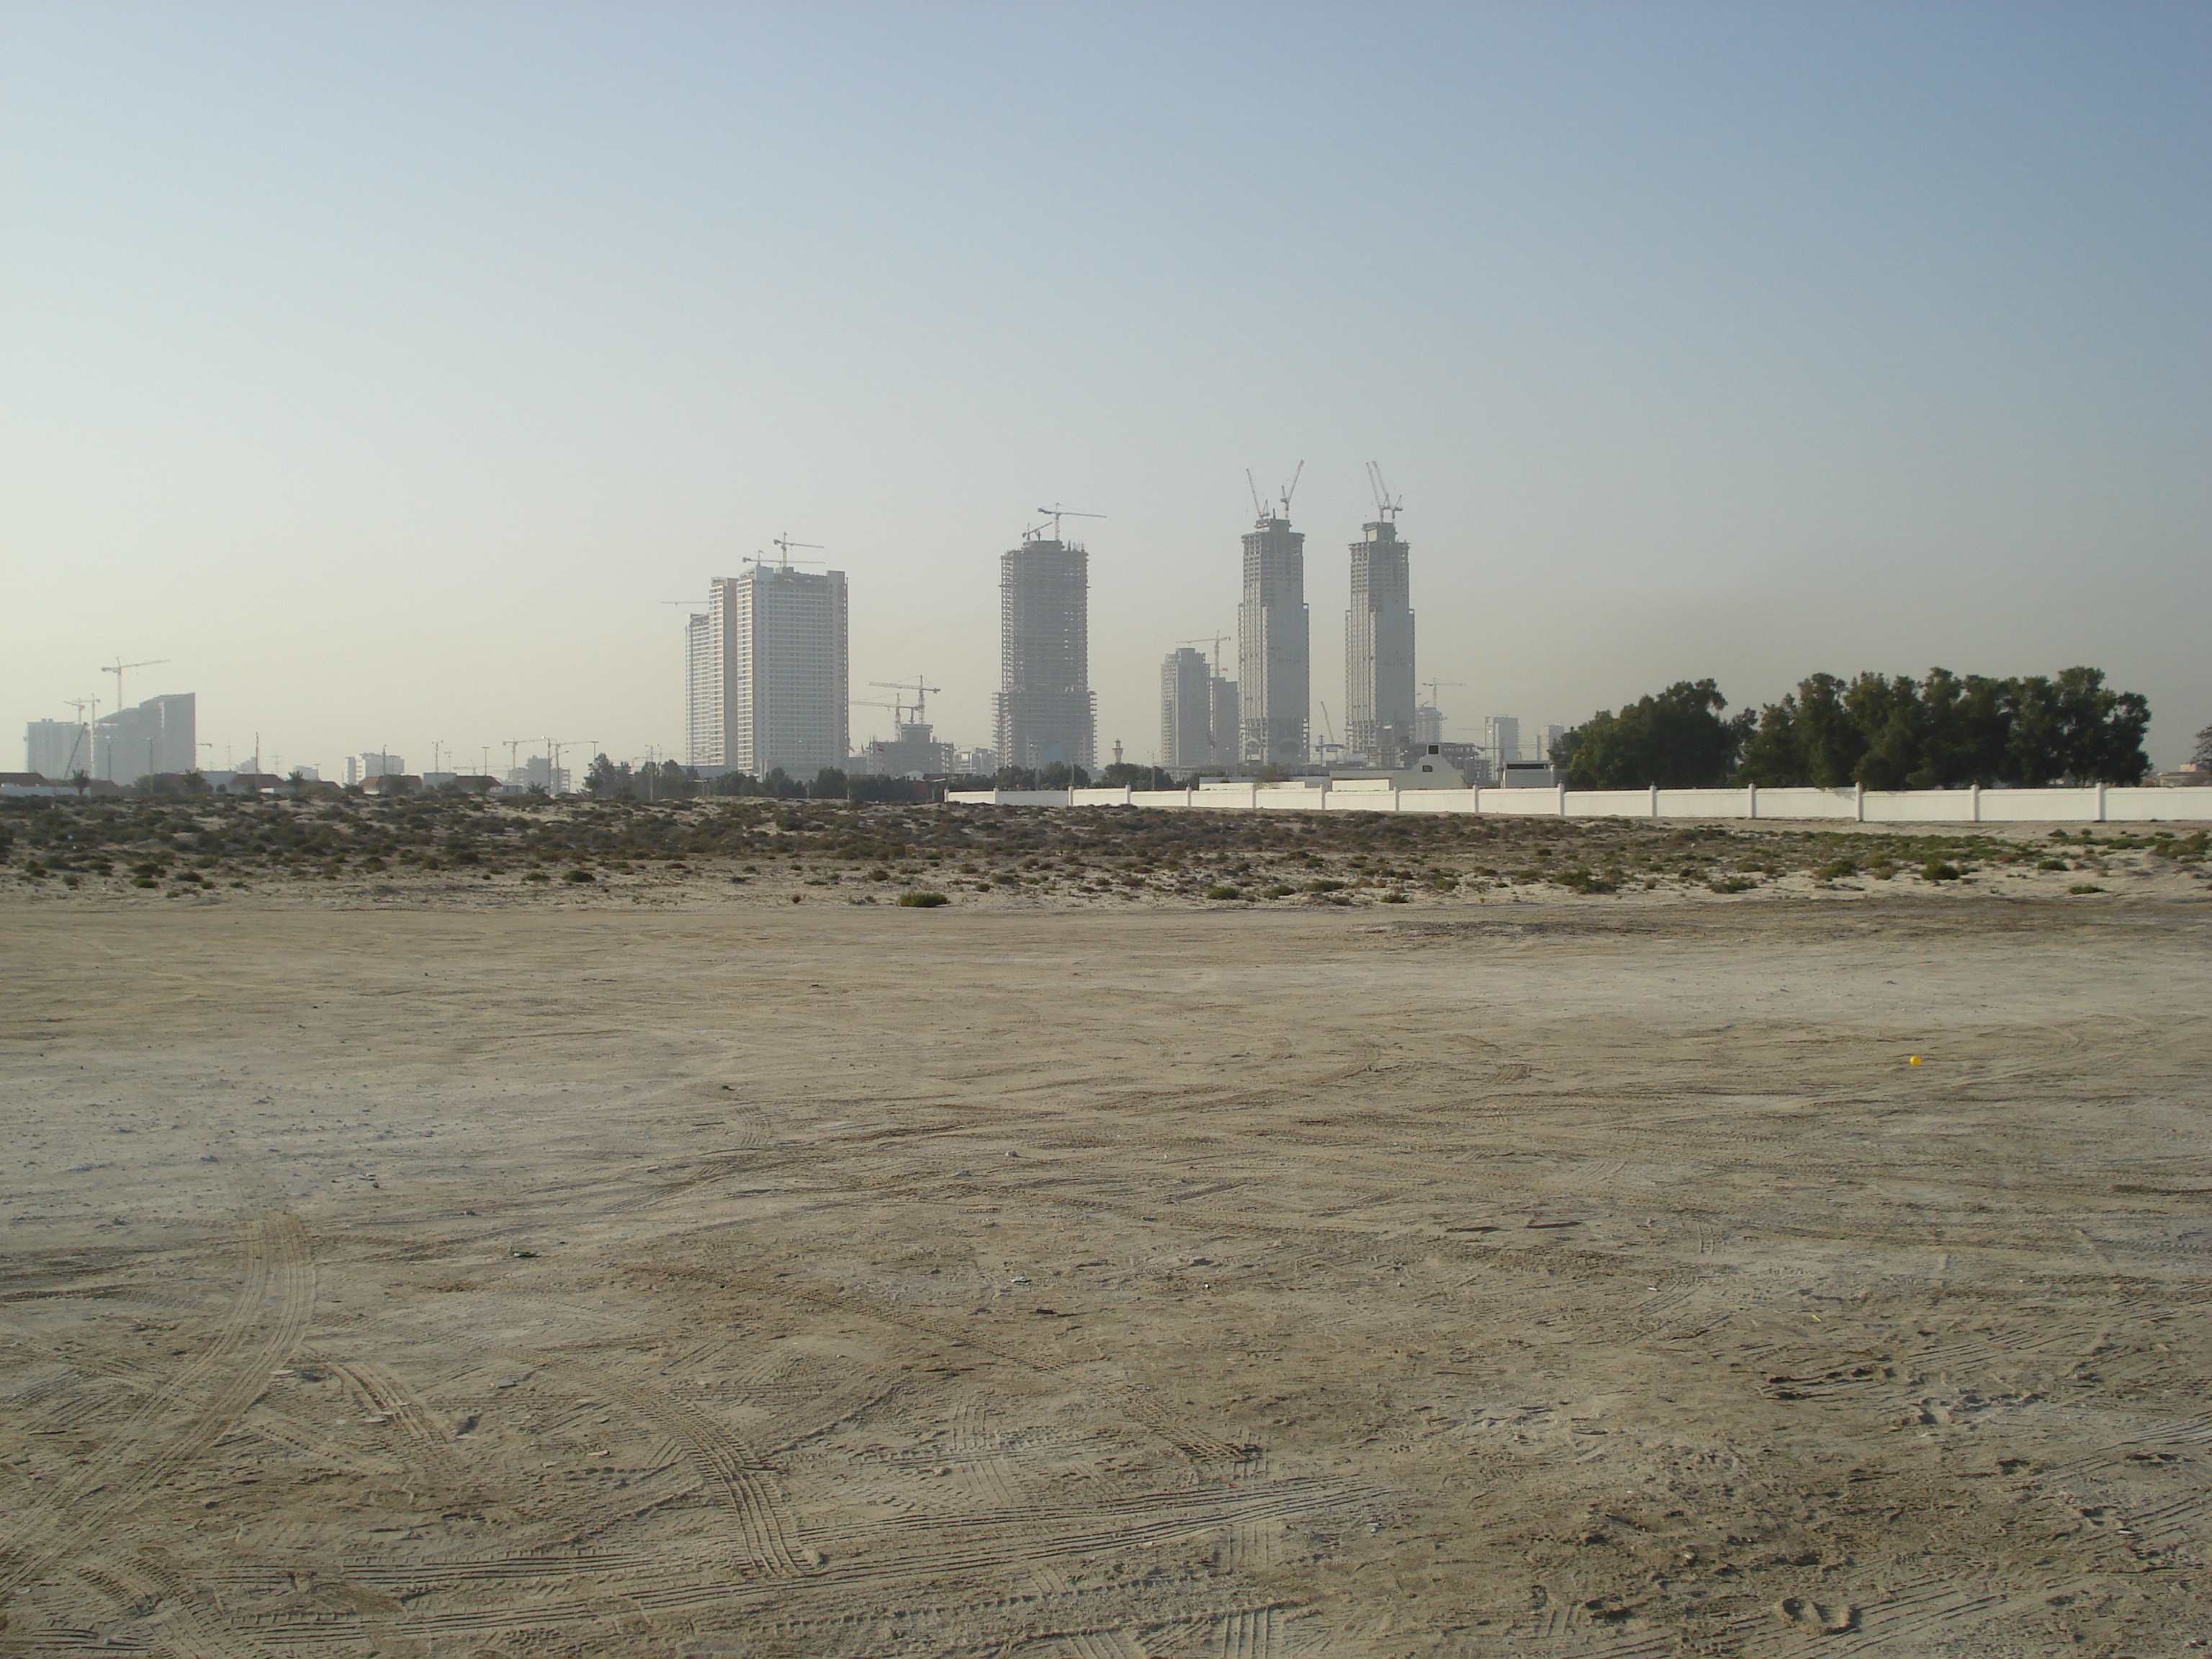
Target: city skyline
392,365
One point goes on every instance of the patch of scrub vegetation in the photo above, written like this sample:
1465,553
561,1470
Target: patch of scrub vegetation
513,850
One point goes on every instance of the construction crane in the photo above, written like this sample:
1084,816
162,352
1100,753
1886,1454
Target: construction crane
1434,703
898,710
553,757
116,668
1260,508
1216,639
1056,513
83,737
783,544
920,693
1386,504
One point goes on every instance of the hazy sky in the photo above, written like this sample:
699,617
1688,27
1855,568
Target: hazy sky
385,366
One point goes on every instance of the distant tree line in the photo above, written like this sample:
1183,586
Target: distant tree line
1946,730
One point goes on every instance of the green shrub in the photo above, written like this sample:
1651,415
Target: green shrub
1937,869
1225,891
2052,864
1584,881
1324,886
1837,869
1731,885
2084,887
923,900
1395,898
580,876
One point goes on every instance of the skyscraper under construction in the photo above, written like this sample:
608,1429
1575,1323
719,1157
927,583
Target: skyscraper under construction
1274,663
1047,712
1378,646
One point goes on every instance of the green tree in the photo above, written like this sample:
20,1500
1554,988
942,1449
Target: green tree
830,784
1676,739
1128,775
1965,723
2200,757
608,780
2073,729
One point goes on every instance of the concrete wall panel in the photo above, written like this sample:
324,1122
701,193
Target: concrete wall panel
1919,806
1807,803
2158,806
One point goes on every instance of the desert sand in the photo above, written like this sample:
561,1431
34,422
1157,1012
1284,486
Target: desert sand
1553,1277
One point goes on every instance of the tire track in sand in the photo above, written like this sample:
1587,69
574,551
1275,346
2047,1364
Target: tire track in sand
724,1461
265,1324
1195,1446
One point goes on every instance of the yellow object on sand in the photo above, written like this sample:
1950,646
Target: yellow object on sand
1914,1060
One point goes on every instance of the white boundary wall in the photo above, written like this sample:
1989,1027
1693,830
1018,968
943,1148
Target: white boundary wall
2099,805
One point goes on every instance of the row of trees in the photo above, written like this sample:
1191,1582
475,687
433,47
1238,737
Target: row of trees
1945,731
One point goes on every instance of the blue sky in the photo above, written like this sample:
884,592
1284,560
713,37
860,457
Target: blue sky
385,366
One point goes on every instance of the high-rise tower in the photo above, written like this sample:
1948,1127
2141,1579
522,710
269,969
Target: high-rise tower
1378,646
768,681
1186,711
157,736
1274,663
1047,714
707,684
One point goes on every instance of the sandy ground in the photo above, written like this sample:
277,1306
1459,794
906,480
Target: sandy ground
1577,1278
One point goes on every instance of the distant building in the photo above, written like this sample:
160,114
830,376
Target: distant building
161,735
1047,712
768,678
372,764
1501,739
914,753
1379,712
1228,741
707,684
538,772
56,749
1186,711
1467,758
1547,736
1529,775
976,763
1273,663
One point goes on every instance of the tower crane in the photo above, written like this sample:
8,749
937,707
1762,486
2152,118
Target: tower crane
1260,508
783,544
898,710
1215,640
1056,513
117,669
1386,504
920,693
83,737
553,758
